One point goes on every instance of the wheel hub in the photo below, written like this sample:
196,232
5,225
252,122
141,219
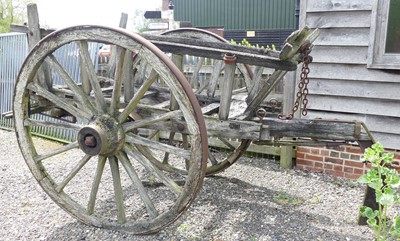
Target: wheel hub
103,136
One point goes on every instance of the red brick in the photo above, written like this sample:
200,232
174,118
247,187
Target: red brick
334,173
358,171
300,155
315,158
351,176
324,152
328,166
334,154
304,162
353,149
355,157
303,149
334,160
348,169
353,164
318,164
315,151
338,168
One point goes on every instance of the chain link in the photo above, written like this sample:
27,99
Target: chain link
302,93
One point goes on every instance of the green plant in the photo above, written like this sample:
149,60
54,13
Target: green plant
248,44
284,198
385,181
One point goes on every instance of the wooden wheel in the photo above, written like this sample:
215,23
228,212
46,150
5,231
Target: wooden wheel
130,194
228,152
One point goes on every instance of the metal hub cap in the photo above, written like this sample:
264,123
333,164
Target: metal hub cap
101,137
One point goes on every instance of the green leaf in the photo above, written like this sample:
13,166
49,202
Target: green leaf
376,184
367,212
373,223
395,228
363,179
386,198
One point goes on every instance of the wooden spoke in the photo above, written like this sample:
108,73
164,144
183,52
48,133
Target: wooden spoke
73,173
119,196
135,100
135,139
56,151
130,64
62,125
149,121
170,140
226,142
58,101
216,73
117,89
82,97
171,184
89,68
151,209
96,183
212,158
146,152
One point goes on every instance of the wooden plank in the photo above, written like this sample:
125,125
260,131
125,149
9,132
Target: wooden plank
215,50
344,37
338,5
381,124
226,87
358,19
350,71
340,54
317,128
354,105
355,88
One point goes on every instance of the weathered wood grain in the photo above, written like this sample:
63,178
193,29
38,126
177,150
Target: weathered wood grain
355,89
354,105
340,54
343,37
338,5
357,19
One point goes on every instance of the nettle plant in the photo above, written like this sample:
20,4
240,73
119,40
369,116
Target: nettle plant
386,182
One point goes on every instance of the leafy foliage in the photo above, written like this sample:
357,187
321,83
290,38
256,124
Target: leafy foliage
385,181
248,44
12,11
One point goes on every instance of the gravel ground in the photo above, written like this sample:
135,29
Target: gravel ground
253,200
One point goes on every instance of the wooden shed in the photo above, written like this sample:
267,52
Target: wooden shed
354,75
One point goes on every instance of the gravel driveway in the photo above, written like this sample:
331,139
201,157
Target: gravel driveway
253,200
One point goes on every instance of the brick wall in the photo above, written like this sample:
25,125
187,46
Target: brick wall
341,161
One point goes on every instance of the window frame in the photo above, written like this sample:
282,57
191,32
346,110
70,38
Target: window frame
377,58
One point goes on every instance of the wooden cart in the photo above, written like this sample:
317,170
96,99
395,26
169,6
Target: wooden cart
147,117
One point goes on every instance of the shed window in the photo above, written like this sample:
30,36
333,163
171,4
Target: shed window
384,50
393,28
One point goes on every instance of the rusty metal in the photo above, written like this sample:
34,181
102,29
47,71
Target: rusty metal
302,93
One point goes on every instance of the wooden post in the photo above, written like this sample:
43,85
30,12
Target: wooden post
227,87
289,87
34,36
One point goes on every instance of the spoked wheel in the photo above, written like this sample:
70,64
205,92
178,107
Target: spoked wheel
100,177
228,152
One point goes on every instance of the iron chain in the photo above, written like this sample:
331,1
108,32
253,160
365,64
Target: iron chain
302,93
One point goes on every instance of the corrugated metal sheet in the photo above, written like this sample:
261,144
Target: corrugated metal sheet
13,50
238,14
